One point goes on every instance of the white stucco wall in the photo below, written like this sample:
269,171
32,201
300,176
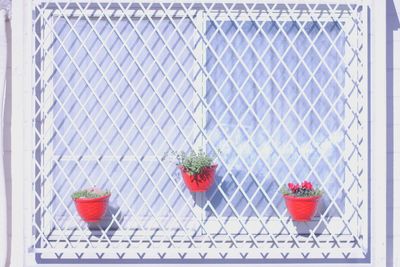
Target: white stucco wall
393,124
393,69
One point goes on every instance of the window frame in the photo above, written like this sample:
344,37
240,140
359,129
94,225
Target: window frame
199,19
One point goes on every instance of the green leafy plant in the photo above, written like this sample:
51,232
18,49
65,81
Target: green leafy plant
305,189
192,162
90,193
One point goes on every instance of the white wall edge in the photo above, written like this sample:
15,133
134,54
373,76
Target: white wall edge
378,132
20,82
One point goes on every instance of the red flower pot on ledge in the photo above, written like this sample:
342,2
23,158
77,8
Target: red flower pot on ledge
302,209
91,204
200,182
301,200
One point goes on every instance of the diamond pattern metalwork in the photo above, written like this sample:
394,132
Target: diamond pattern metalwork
281,89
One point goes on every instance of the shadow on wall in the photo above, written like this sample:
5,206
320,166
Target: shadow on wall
109,225
392,22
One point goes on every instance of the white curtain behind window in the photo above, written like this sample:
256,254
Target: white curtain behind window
4,6
282,134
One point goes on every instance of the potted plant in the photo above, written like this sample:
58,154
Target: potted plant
197,169
91,204
301,200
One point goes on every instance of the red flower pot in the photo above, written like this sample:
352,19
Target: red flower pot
92,210
199,182
302,209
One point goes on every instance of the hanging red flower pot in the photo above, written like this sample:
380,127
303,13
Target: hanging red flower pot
199,182
197,169
91,204
301,200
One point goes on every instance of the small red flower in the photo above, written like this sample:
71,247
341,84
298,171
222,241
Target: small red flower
306,185
293,187
290,185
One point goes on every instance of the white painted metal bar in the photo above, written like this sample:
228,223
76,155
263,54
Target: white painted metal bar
287,2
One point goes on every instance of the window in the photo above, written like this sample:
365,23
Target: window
281,90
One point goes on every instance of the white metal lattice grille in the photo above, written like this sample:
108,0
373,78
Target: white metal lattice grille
281,89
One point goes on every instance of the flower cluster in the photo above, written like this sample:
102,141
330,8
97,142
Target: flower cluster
296,187
305,189
193,162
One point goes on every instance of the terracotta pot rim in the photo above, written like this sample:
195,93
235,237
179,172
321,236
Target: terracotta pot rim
302,198
81,199
214,166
